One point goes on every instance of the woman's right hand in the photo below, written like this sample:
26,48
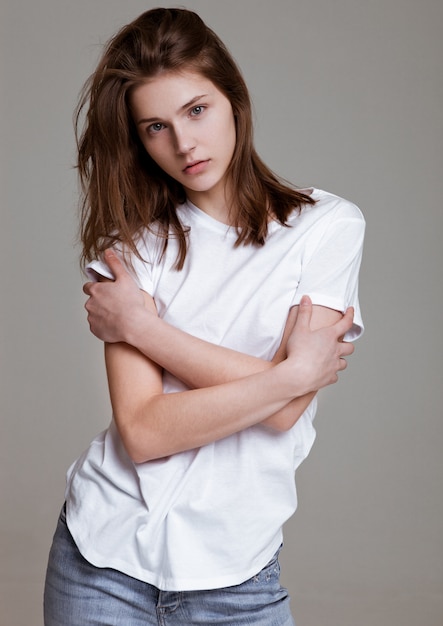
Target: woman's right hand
319,353
116,308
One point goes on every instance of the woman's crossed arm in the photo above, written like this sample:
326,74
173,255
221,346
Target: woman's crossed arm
231,391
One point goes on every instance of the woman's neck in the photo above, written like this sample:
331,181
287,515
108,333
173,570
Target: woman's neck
213,203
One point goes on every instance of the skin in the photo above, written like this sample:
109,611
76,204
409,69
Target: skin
187,127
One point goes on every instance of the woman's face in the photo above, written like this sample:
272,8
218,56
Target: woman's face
187,127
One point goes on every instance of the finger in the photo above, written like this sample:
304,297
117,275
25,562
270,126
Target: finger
304,313
87,288
346,322
346,348
342,365
114,263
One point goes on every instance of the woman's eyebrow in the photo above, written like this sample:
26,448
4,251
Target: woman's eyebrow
148,120
191,102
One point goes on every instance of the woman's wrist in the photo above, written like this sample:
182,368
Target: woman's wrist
138,327
291,381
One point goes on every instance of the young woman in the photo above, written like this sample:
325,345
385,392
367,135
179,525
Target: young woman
201,260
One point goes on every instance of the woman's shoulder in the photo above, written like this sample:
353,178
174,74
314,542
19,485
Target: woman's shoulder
328,208
333,206
329,212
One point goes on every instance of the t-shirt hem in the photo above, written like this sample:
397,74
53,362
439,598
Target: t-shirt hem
357,328
163,583
99,267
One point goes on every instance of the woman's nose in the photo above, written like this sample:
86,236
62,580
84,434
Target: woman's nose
184,141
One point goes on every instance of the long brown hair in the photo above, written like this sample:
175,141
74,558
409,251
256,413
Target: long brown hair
124,190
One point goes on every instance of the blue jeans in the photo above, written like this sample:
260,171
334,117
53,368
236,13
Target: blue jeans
80,594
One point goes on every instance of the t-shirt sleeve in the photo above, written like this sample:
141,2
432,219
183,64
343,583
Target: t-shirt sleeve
140,269
331,265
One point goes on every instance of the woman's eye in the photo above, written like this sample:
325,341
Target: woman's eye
155,128
198,110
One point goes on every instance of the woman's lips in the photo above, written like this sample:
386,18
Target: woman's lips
196,167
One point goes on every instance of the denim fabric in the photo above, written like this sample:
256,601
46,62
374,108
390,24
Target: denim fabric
80,594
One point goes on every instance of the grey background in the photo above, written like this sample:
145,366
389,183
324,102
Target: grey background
348,97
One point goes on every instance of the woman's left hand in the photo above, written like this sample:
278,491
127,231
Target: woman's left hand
115,308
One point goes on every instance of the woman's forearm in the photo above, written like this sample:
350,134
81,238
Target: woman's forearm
200,364
153,424
119,312
195,362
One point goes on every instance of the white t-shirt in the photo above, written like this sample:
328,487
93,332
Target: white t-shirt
212,517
